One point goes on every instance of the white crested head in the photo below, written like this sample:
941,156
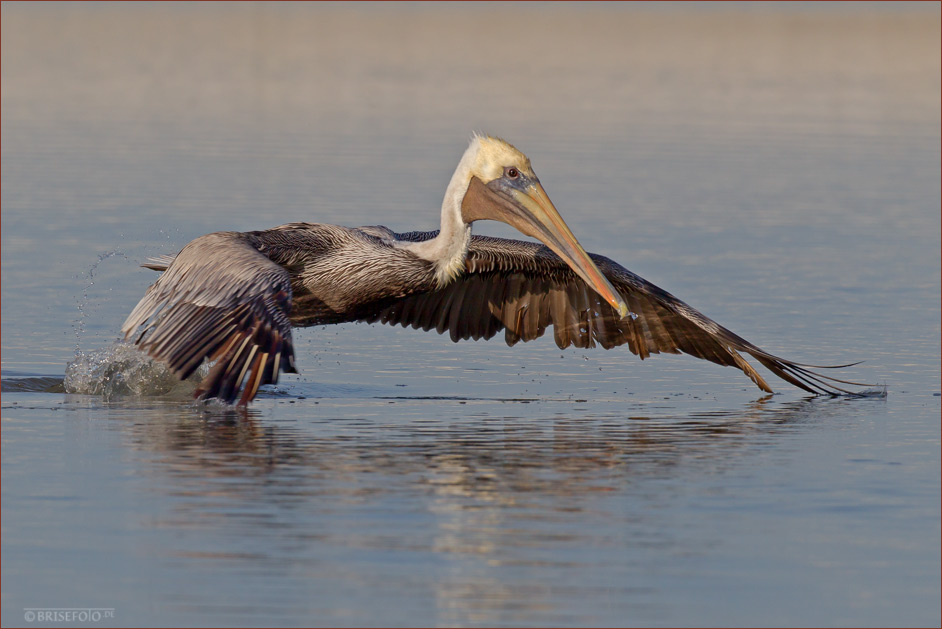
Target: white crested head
487,157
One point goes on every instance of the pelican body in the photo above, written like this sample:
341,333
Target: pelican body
232,297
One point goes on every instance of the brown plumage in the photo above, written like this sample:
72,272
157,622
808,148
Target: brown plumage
232,298
523,288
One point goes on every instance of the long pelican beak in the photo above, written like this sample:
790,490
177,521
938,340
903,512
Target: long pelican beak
527,208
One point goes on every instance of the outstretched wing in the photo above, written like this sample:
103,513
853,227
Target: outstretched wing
523,288
221,299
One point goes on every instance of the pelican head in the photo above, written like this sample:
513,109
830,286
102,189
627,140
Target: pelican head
501,186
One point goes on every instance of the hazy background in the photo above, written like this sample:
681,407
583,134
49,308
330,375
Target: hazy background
774,165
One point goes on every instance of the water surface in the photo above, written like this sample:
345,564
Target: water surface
777,168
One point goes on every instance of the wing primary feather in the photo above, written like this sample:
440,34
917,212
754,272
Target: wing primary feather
234,314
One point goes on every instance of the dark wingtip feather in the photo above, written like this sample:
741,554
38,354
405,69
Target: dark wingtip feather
234,314
813,382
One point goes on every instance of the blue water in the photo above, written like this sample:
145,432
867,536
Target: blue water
777,169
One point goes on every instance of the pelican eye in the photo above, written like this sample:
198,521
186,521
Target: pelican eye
512,172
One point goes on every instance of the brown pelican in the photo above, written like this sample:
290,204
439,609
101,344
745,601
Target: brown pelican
232,297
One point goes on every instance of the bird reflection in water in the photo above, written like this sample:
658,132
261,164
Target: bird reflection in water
486,495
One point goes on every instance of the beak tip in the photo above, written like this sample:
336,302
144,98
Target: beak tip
625,313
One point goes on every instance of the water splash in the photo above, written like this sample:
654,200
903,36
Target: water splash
122,370
119,369
873,392
83,303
